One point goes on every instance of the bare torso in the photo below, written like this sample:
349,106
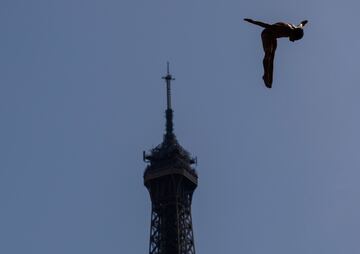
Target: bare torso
281,29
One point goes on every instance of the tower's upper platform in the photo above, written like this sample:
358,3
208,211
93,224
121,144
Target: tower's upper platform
169,157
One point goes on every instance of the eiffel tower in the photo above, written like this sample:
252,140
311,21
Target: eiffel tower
171,181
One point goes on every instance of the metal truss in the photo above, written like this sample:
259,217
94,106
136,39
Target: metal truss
171,227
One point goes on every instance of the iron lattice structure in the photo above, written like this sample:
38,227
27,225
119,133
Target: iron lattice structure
171,181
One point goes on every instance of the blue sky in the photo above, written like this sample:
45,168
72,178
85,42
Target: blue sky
81,97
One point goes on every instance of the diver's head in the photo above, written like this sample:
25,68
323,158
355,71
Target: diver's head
296,34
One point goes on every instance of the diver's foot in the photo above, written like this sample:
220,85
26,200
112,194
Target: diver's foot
267,82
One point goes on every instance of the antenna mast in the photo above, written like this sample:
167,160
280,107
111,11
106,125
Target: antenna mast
168,79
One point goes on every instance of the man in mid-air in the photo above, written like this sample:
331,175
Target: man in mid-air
269,36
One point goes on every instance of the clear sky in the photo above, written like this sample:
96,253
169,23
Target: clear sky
81,97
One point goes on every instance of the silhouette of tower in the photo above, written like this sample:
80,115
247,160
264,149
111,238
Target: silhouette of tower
171,181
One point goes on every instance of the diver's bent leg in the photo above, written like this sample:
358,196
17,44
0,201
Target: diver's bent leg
271,70
269,44
268,66
271,62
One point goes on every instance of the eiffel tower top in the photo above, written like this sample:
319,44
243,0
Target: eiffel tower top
169,154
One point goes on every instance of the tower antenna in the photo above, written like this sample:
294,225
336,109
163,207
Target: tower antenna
168,79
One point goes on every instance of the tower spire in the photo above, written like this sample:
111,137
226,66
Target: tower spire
168,78
169,112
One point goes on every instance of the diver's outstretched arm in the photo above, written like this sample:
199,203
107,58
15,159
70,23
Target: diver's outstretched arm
258,23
